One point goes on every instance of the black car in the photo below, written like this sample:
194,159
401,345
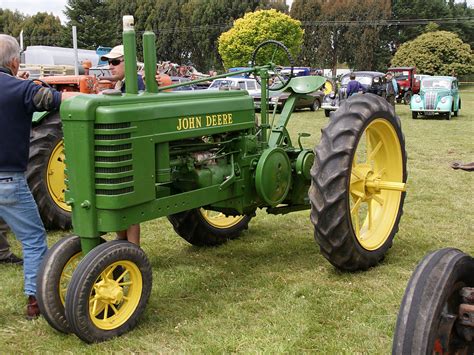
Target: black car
372,82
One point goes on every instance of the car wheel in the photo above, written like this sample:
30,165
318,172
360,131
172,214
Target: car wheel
414,115
315,106
326,113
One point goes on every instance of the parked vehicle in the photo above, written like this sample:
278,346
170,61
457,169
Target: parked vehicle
438,95
235,83
373,82
407,82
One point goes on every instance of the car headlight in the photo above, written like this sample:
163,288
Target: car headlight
332,95
444,99
274,99
417,99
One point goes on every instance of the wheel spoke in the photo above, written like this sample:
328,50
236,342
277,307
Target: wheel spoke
114,309
106,311
387,185
128,283
94,307
356,206
375,151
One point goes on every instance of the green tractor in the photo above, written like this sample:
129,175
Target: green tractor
205,161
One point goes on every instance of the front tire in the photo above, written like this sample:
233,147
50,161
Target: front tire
54,277
429,311
108,291
327,113
315,106
202,227
414,115
45,173
358,183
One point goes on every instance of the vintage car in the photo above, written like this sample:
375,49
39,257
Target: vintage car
373,82
236,83
438,95
408,83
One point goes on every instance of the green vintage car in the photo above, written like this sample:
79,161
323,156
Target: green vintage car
438,95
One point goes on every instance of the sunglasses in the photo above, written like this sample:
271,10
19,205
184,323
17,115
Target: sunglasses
115,62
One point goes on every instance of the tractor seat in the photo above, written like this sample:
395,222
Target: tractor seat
305,84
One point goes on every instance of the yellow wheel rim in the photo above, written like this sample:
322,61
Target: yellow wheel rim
115,295
328,87
220,220
55,176
66,275
376,184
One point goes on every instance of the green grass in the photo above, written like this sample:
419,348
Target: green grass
271,290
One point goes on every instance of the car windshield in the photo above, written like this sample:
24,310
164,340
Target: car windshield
225,83
401,75
435,84
364,80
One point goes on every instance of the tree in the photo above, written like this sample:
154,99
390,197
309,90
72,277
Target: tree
10,22
42,29
436,53
91,17
237,44
307,11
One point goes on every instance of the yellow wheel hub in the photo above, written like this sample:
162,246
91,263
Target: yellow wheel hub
55,176
220,220
376,184
115,295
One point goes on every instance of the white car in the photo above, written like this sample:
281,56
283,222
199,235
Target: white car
251,85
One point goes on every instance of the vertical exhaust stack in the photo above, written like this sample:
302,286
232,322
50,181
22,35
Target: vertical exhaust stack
130,49
149,57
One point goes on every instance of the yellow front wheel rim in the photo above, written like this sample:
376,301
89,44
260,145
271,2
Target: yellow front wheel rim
55,176
220,220
115,295
376,184
66,275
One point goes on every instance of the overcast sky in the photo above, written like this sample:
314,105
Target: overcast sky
31,7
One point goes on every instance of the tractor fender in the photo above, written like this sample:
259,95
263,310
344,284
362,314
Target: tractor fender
39,116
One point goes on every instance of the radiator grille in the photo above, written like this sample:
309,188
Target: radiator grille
430,100
112,148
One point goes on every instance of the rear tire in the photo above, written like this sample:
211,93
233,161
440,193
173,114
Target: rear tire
432,297
45,173
354,220
199,229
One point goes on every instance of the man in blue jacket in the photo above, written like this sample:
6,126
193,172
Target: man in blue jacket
18,100
353,87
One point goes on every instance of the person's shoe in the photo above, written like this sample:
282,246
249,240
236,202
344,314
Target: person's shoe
12,259
32,309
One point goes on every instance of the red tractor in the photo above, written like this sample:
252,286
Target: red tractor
407,83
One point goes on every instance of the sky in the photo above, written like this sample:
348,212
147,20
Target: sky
31,7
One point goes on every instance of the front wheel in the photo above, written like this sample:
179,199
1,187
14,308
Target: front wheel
202,227
315,106
54,276
108,291
430,320
358,183
414,115
407,98
327,113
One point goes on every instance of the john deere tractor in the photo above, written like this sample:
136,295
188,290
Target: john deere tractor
135,157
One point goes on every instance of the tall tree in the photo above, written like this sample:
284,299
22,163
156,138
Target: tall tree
449,54
11,22
309,11
42,29
91,17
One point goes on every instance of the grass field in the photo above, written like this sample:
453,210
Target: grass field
271,290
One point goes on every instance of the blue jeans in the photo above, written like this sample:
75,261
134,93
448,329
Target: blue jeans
19,210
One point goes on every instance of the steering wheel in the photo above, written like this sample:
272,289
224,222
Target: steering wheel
41,82
277,56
